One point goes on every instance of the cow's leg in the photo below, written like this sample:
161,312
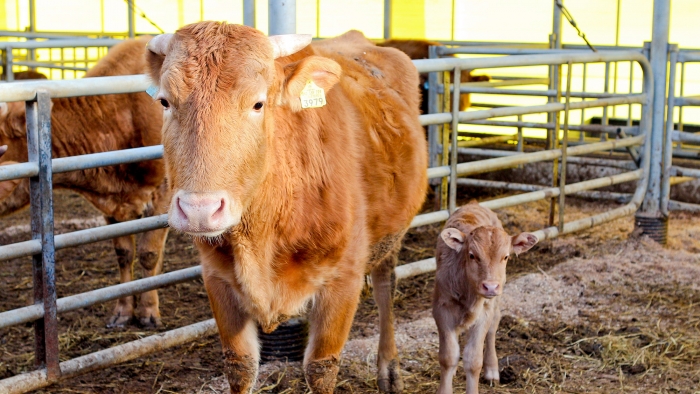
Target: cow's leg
124,310
330,319
473,356
448,355
490,357
388,366
150,248
238,333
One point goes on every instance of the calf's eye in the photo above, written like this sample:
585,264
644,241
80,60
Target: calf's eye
258,106
164,103
471,256
505,258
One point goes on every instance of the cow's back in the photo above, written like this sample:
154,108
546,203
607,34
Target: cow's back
382,84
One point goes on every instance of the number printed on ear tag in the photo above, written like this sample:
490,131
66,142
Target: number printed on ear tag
312,96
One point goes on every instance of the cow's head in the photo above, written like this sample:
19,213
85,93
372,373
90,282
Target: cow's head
13,137
220,87
484,253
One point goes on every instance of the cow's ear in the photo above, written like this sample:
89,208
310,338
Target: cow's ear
523,242
453,238
157,49
325,73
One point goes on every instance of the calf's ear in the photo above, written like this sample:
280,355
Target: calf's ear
325,73
453,238
523,242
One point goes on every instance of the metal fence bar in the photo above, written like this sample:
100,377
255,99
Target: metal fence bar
455,135
630,130
667,160
538,93
82,300
83,162
82,237
112,356
65,43
534,109
26,90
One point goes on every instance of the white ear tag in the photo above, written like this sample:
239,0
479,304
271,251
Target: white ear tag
312,96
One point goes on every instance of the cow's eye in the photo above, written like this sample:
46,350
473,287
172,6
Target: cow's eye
471,256
505,258
258,106
164,103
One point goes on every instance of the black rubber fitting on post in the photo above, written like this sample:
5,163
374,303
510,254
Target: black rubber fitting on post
286,343
656,227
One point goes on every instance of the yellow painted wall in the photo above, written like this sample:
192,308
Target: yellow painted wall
408,18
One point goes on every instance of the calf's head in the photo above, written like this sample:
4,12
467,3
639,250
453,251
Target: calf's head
484,254
220,87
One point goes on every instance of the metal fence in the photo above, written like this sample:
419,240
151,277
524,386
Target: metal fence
41,166
73,55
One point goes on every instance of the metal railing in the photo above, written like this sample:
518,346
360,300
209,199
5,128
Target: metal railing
73,54
41,166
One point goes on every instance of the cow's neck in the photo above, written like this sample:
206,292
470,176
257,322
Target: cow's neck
271,224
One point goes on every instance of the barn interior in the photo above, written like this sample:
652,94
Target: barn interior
585,133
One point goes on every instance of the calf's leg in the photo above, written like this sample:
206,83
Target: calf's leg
473,356
448,356
388,365
490,357
330,319
238,333
124,309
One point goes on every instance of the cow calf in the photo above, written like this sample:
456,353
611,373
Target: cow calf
472,253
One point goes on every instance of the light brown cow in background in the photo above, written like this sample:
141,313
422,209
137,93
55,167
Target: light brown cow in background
418,49
472,253
91,124
290,206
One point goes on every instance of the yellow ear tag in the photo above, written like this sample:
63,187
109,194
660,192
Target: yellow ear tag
312,96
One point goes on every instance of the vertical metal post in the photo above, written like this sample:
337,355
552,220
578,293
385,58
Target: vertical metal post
606,89
617,43
520,134
201,10
553,142
650,219
582,134
318,18
38,115
249,13
668,143
387,19
282,17
32,29
629,107
446,96
455,134
9,72
564,145
131,15
433,148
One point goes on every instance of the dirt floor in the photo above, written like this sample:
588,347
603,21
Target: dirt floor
599,312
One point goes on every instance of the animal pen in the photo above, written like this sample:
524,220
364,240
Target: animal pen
646,143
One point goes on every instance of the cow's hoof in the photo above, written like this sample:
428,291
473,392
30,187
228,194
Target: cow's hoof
321,375
118,321
150,323
389,379
491,376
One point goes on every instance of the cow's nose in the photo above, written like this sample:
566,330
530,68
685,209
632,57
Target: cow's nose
200,213
490,288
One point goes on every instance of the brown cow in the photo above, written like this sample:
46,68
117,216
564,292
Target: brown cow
91,124
289,206
28,74
472,253
418,49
